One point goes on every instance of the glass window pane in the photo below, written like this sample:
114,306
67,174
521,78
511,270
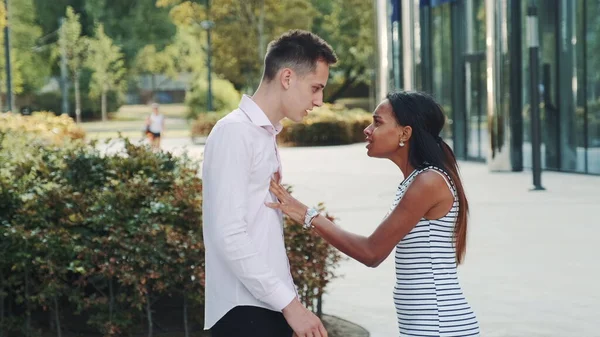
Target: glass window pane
547,85
571,103
593,85
475,78
525,89
579,82
441,48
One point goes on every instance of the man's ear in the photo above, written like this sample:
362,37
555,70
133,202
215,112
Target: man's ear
285,77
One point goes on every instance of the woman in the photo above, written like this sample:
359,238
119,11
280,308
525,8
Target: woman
427,223
155,127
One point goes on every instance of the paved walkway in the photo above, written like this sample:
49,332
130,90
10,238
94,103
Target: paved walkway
532,266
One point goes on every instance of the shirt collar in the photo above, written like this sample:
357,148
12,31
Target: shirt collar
258,116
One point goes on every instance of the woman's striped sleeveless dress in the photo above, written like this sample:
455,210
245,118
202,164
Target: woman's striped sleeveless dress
427,295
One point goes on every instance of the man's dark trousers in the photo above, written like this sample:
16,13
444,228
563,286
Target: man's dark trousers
250,321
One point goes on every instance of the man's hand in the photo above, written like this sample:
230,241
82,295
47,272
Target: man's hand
303,322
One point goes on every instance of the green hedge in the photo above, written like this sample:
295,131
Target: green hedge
107,243
44,124
204,123
90,108
327,125
225,96
330,124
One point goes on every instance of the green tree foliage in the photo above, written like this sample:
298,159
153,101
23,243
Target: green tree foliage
185,55
349,28
48,14
224,96
150,61
188,51
2,15
75,46
166,36
242,31
106,61
132,24
29,69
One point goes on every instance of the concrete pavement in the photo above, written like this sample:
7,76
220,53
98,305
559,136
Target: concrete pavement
532,266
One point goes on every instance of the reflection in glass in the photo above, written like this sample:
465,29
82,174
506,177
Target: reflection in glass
475,78
570,113
547,85
592,40
441,50
564,84
498,84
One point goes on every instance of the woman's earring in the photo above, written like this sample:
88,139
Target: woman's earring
401,143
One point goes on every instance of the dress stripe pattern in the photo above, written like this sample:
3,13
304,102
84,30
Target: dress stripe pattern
427,295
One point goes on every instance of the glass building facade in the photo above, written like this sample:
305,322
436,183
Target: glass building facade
472,55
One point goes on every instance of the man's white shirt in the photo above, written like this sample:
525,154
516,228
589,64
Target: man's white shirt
246,261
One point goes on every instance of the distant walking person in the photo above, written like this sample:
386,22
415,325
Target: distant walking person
426,225
155,126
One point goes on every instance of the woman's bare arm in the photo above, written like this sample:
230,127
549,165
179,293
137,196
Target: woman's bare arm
421,197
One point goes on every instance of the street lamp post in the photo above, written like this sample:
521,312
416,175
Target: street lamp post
9,91
208,25
533,44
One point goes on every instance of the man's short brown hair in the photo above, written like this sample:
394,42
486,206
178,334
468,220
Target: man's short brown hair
298,50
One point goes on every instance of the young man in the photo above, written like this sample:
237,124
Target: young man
249,288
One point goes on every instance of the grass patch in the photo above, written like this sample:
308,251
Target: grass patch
140,112
113,126
133,128
182,133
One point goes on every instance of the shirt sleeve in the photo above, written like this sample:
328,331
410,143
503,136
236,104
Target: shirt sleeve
227,165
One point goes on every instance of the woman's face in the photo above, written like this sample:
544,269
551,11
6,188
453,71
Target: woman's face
384,134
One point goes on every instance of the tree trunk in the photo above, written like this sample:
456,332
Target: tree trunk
57,318
27,305
111,300
1,303
149,313
77,98
185,316
104,113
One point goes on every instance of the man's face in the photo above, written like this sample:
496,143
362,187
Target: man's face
305,92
